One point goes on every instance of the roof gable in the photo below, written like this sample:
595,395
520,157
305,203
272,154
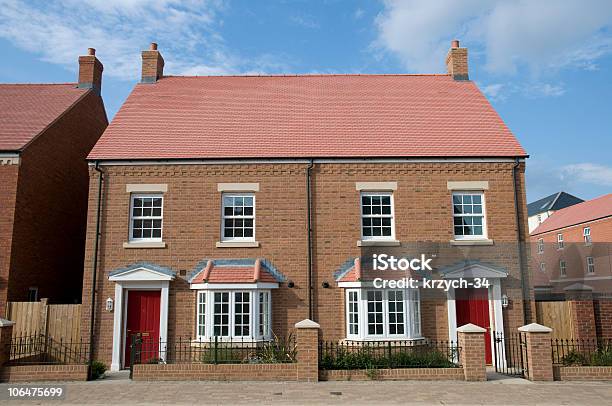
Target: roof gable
326,116
590,210
28,109
556,201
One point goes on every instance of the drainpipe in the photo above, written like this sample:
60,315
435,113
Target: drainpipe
525,288
95,268
309,226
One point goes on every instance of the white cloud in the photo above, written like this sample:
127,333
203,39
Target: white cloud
359,13
187,32
305,21
511,33
493,91
596,174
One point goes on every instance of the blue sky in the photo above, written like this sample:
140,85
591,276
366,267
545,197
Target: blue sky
546,66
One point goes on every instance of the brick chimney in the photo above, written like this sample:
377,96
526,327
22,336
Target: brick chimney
152,65
90,71
457,61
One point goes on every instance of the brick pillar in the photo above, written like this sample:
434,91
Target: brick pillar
6,333
307,351
538,352
471,340
582,310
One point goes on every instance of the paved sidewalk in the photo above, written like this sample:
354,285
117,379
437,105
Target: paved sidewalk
512,391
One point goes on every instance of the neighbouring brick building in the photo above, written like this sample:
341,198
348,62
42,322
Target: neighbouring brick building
236,206
46,132
571,259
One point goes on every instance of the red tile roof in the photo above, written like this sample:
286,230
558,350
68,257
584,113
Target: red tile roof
27,109
306,116
579,213
234,274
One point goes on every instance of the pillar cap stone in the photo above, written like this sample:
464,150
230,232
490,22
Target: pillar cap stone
5,322
307,323
471,328
534,328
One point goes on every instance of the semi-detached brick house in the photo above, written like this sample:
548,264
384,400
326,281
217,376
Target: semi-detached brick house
571,255
209,185
46,132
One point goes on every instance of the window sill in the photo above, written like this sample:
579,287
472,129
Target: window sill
378,243
144,244
379,339
246,342
484,241
237,244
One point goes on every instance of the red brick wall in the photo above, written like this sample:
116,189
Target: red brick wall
397,374
582,373
42,373
574,254
603,318
8,179
49,228
222,372
192,223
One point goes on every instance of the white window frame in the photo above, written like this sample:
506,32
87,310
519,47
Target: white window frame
134,196
562,268
381,216
543,266
243,217
590,261
411,312
560,242
540,245
539,219
254,315
586,233
484,235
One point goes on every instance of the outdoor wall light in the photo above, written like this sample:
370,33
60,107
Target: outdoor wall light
505,301
325,285
290,284
109,304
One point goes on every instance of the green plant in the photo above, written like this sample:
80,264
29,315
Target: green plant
374,358
278,350
372,372
97,369
602,357
574,358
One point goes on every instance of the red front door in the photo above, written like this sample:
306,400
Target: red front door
142,321
473,307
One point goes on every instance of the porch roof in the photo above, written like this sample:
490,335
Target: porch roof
249,270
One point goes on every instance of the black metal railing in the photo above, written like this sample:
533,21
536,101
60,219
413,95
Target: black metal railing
388,354
509,354
578,352
42,349
216,350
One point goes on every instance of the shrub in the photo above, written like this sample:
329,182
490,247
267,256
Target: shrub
278,350
368,358
97,369
602,357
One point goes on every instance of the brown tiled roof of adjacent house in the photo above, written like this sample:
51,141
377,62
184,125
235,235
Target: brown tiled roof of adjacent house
314,116
577,214
27,109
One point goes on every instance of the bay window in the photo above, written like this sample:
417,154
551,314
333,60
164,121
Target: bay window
373,314
240,314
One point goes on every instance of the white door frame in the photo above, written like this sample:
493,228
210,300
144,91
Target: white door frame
496,317
138,279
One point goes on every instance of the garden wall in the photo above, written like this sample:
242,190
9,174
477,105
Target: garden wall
41,373
424,374
582,373
220,372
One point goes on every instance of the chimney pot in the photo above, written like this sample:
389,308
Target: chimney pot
153,46
457,61
91,51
